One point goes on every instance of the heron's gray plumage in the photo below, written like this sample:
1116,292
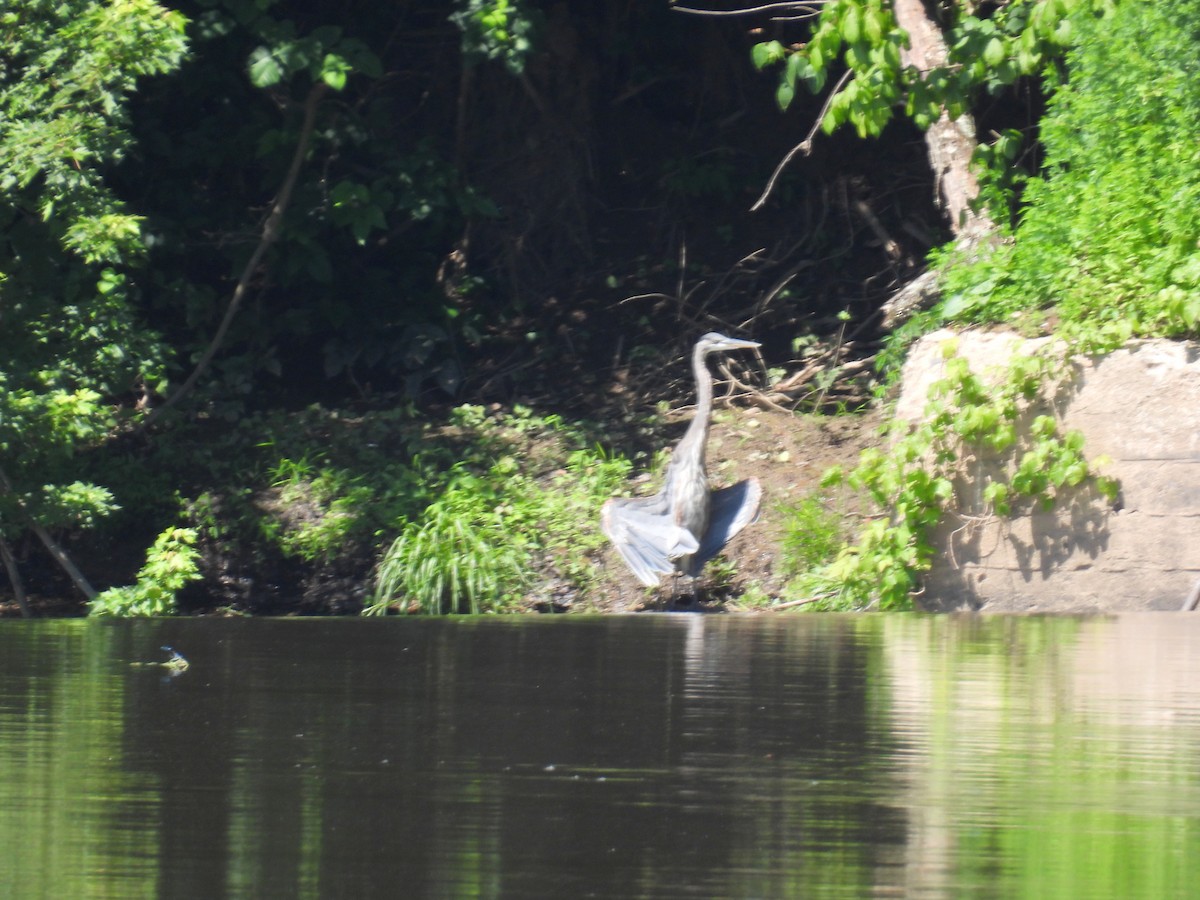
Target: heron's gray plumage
685,524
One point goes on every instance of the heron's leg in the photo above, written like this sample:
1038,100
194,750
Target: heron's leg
686,591
669,599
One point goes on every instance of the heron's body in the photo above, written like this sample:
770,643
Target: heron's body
685,524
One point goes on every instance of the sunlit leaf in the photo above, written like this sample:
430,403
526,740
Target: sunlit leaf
265,69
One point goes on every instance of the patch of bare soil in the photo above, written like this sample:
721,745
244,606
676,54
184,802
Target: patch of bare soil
789,454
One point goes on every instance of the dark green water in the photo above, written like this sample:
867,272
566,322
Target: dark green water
649,756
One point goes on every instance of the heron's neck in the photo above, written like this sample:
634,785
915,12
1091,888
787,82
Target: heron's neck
697,432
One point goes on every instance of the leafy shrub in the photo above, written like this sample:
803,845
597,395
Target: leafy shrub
170,565
989,45
1109,235
1108,239
70,337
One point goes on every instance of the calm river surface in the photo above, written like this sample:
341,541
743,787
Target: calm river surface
646,756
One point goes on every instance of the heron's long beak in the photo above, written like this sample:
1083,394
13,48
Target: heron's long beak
739,344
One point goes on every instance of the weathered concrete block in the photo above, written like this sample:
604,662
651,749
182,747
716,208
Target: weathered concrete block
1140,407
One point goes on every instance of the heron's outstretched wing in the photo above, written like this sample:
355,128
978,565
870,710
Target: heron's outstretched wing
733,508
646,537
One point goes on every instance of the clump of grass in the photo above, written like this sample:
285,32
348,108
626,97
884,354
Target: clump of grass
474,548
316,511
459,557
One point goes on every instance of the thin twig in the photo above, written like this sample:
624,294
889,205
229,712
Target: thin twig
791,604
805,145
270,233
837,353
801,8
890,247
728,276
651,296
779,285
754,395
799,379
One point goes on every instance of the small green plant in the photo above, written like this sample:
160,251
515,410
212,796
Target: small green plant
319,510
812,535
755,596
170,565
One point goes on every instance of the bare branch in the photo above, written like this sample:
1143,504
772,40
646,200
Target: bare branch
805,146
270,233
792,604
798,10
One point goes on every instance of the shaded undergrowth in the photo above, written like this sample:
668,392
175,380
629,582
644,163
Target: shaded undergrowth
325,511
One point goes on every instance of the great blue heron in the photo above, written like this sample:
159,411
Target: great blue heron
684,525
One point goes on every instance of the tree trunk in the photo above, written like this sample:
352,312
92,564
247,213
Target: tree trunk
950,142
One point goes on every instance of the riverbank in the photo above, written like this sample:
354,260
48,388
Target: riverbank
293,512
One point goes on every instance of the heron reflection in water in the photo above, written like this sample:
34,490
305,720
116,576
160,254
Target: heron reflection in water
685,524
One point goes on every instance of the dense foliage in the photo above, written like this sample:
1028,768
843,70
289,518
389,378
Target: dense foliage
1109,236
990,46
70,335
472,548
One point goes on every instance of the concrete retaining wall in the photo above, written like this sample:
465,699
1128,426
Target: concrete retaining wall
1140,407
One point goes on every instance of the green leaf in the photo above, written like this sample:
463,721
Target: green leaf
265,70
334,70
851,26
766,53
784,94
873,25
797,67
995,52
816,56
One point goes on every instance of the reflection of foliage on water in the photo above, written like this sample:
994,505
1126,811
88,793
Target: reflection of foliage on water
1036,761
898,755
67,799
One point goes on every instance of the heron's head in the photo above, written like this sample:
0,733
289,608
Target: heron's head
714,343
